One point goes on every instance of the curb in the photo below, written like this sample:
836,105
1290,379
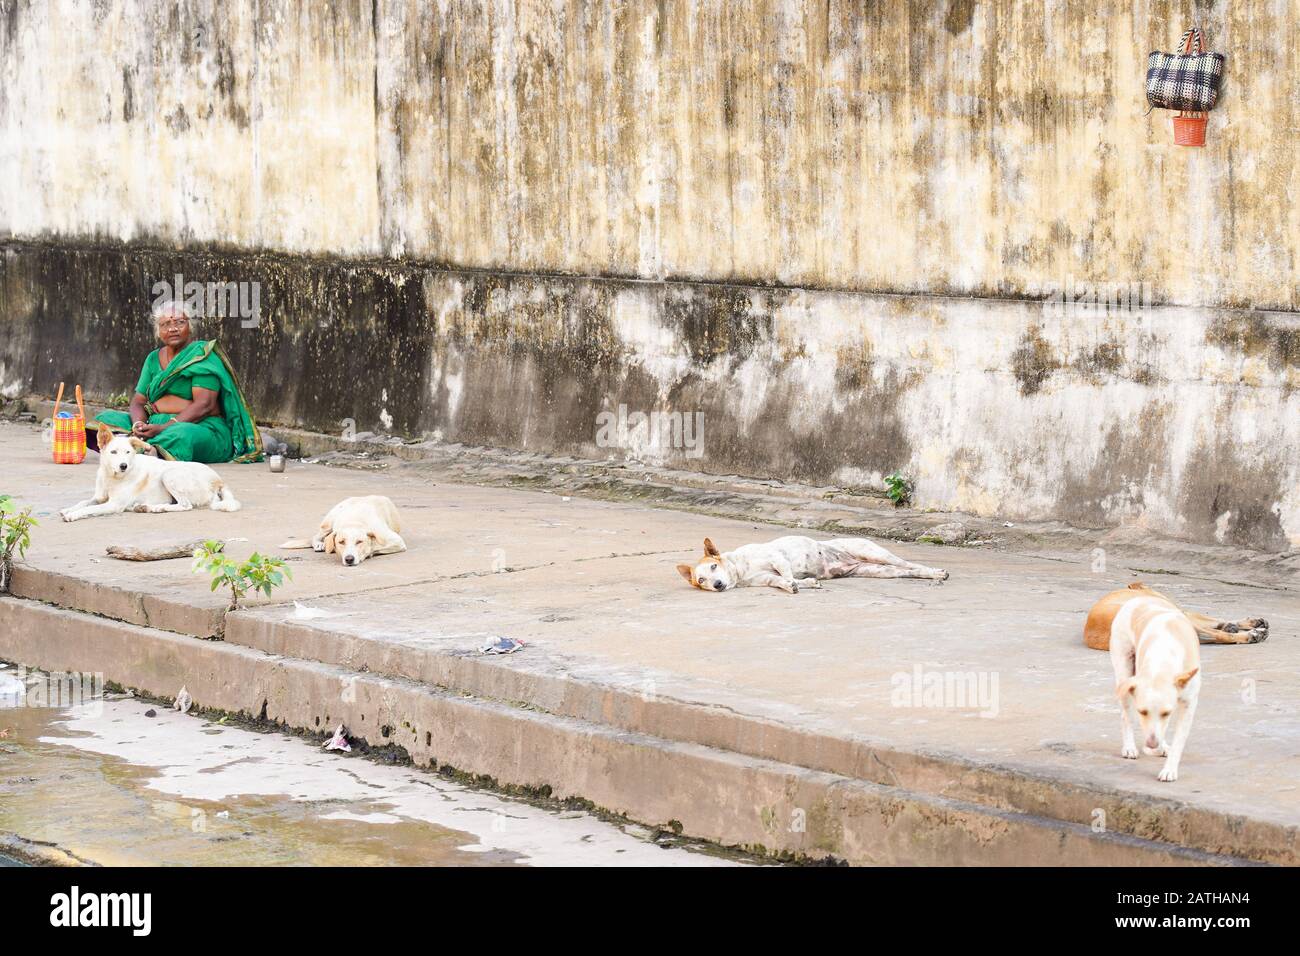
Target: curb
758,805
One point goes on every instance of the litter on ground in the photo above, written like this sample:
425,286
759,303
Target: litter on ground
301,612
339,741
501,645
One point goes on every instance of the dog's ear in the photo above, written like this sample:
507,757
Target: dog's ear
138,445
329,543
686,571
1129,686
710,550
104,435
1181,680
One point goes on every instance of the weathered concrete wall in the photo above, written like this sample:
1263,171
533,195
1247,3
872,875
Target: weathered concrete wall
493,221
960,146
1186,421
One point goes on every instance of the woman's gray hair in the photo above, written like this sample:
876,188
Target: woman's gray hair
174,307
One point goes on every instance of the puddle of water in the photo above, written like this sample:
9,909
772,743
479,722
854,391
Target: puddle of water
12,690
110,785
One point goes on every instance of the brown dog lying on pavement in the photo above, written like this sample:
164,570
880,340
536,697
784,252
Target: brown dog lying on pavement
1209,630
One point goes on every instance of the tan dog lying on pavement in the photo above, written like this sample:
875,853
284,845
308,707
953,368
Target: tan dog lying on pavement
794,561
357,528
1157,661
131,479
1209,630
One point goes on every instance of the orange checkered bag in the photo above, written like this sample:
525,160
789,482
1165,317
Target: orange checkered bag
69,433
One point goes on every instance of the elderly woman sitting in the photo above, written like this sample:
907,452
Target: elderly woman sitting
187,404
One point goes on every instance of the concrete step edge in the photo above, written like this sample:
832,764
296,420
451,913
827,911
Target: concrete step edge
1010,788
710,793
116,603
993,785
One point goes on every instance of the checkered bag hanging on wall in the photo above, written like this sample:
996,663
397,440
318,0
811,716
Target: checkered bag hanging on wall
1185,81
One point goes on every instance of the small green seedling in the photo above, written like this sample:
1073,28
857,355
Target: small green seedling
898,489
15,536
118,400
258,573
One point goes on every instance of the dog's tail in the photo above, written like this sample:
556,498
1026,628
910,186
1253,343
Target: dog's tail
223,499
296,544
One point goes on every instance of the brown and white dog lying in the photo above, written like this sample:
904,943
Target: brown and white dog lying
357,528
1209,630
795,561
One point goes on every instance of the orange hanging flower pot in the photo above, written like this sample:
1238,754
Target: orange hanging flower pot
1189,129
1187,81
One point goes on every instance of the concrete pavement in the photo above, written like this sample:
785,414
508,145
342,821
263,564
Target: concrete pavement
977,690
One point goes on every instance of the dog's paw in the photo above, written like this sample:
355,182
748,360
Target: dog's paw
1167,774
66,516
1155,751
141,509
318,547
809,583
1129,753
1257,635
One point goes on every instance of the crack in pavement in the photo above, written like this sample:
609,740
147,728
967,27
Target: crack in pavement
463,575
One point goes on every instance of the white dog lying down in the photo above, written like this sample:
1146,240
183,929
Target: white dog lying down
131,479
795,561
1157,661
357,528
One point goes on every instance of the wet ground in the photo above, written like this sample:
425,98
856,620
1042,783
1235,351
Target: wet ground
104,783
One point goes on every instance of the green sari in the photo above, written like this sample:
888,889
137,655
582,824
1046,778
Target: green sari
229,436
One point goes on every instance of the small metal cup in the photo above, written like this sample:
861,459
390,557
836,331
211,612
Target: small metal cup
276,462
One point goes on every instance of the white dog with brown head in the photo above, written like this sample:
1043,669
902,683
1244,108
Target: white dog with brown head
130,478
796,561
